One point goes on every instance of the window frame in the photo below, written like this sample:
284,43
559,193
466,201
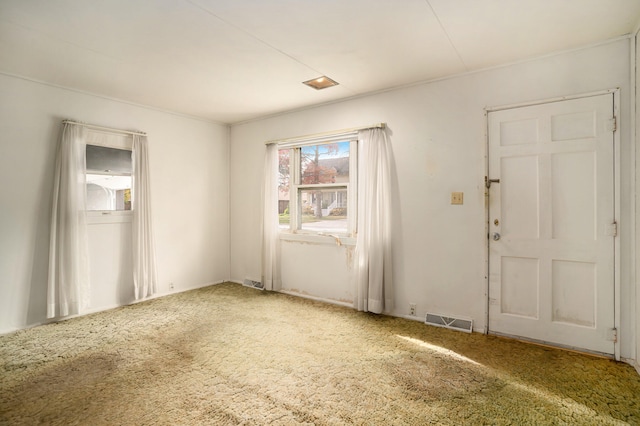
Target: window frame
116,141
294,231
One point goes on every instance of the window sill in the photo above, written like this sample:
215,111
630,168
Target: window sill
323,239
119,216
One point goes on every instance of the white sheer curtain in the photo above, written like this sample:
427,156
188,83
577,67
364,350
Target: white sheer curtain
270,243
144,261
68,282
373,273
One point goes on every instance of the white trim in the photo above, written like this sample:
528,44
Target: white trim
486,223
550,100
318,186
324,137
112,99
553,345
317,299
108,308
109,139
228,200
352,202
181,290
435,80
104,129
635,31
617,254
410,317
317,238
97,217
635,204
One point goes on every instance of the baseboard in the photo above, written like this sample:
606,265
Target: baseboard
107,308
408,317
317,299
168,293
632,362
346,304
7,331
58,319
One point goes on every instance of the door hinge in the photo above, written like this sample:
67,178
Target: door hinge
612,124
612,230
612,335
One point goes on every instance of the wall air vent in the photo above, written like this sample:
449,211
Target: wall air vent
459,324
253,284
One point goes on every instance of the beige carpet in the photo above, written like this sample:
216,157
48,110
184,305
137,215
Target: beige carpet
231,355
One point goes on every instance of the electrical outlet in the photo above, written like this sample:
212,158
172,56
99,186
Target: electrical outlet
412,309
457,197
170,286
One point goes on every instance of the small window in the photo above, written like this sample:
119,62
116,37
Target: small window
108,178
316,188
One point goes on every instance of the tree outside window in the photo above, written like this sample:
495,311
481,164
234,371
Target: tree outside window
317,193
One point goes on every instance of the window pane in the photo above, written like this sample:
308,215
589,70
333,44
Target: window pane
102,158
284,179
323,209
326,163
108,178
108,192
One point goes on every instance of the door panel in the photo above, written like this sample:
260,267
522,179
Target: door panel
574,292
520,216
573,204
519,286
551,272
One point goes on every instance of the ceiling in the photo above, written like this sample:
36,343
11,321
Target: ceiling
235,60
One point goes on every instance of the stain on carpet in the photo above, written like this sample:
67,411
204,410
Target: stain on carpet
229,355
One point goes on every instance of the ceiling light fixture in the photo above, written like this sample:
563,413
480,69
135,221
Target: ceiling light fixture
321,83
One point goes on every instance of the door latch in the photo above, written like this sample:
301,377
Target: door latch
488,182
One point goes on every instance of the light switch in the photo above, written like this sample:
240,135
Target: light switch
457,197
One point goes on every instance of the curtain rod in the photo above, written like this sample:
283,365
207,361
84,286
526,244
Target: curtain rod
335,132
109,129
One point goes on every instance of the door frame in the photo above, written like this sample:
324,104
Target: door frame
617,205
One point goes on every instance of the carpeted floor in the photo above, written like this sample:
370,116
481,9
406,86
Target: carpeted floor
228,355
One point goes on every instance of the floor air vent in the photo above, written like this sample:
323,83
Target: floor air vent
448,322
253,284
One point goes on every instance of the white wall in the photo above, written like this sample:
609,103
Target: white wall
438,142
189,181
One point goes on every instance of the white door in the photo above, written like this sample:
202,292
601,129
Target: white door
551,216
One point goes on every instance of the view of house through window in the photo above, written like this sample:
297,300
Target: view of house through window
313,187
108,178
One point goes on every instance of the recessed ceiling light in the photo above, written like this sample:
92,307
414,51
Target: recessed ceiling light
320,83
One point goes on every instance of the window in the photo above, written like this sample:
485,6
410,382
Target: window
108,178
316,187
